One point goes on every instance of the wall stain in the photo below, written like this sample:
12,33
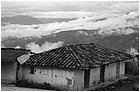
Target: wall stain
69,82
46,85
94,82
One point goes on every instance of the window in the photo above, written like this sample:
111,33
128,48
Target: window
32,70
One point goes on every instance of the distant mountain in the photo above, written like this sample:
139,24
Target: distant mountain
28,20
120,42
116,42
21,19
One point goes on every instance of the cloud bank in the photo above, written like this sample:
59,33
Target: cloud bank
104,23
45,47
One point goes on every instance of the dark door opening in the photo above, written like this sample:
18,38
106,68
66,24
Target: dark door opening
86,78
127,68
117,69
102,73
17,71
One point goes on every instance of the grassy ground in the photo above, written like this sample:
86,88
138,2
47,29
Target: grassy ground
122,85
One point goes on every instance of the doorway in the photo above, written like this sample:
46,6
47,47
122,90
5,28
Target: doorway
102,73
117,69
86,78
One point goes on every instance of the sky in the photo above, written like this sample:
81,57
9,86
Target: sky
66,9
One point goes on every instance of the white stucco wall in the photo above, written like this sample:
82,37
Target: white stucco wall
69,79
110,71
59,78
78,79
8,72
94,76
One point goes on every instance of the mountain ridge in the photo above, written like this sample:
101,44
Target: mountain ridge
28,20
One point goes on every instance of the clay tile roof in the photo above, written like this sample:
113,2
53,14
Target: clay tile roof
8,55
79,56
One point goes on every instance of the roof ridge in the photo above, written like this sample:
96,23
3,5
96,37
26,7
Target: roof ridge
79,44
70,51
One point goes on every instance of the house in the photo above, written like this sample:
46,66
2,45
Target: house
73,67
9,63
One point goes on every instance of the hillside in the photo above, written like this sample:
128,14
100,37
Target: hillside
28,20
116,42
120,42
21,19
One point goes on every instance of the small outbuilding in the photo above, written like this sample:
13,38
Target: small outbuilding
9,63
73,67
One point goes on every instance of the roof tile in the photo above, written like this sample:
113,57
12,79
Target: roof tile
77,56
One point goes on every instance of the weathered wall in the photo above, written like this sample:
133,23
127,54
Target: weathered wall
8,72
66,79
19,73
59,78
122,69
132,67
78,80
110,71
94,76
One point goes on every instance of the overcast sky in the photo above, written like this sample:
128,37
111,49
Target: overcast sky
65,9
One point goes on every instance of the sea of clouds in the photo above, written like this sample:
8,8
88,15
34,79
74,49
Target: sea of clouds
112,21
104,23
45,47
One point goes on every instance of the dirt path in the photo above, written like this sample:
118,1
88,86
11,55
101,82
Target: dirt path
10,87
128,87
